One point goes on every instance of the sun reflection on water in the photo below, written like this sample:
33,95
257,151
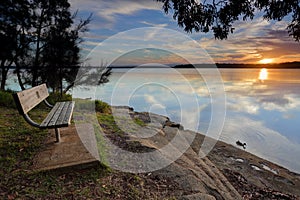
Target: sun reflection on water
263,74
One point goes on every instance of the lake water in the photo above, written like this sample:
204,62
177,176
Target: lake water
262,107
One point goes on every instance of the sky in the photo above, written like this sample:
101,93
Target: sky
139,32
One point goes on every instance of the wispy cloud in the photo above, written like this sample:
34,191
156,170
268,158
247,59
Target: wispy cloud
251,41
153,24
109,10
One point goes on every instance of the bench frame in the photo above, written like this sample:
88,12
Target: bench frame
59,116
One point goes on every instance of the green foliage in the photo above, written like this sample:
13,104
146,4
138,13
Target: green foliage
56,96
91,106
6,99
219,16
42,37
102,107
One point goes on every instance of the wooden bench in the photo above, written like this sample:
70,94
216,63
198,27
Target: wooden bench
59,116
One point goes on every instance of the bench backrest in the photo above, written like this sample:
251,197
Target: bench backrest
28,99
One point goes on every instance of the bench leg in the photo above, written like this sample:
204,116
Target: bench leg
57,135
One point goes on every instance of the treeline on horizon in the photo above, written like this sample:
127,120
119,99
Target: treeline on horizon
286,65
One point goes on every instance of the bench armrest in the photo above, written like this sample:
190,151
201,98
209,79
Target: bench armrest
30,121
48,104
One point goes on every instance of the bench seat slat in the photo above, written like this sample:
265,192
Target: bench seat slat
56,115
59,116
50,115
45,123
64,117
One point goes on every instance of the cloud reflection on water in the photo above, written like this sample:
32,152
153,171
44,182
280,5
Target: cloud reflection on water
265,114
262,141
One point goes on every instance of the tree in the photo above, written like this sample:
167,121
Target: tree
55,40
41,39
13,23
61,53
218,16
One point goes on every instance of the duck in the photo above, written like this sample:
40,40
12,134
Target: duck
239,143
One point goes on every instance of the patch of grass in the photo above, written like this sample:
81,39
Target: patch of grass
107,121
120,137
139,122
19,142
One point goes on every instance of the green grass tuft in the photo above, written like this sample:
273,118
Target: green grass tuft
139,122
6,99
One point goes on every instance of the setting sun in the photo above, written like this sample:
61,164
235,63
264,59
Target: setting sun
266,61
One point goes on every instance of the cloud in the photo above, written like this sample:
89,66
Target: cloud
109,10
282,104
244,105
253,41
153,24
249,95
167,46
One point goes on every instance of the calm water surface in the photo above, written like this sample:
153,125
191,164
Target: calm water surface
262,107
263,113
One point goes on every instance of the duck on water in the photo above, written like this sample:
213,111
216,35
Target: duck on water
239,143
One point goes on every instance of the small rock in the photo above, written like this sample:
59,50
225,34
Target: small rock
173,125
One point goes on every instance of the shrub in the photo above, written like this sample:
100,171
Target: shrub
6,99
102,107
84,105
91,105
55,97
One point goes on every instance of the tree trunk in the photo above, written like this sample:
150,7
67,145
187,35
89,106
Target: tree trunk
4,77
19,77
68,87
38,51
60,82
4,71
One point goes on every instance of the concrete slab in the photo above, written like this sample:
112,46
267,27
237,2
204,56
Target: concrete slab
73,150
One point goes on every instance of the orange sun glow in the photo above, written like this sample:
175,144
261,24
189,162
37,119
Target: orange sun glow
266,61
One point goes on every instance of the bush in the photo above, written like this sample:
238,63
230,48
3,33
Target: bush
55,97
90,105
6,99
102,107
84,105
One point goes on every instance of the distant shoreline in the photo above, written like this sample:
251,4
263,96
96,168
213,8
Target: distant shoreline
292,65
288,65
